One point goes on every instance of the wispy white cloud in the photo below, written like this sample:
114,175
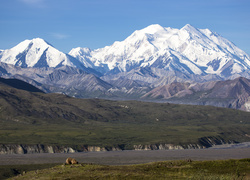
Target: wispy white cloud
59,36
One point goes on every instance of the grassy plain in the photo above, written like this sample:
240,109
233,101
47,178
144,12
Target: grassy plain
220,169
55,119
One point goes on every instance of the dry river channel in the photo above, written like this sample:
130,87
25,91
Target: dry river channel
238,151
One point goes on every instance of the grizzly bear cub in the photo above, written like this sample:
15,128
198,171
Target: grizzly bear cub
71,161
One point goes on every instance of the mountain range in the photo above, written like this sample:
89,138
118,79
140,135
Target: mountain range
154,63
188,50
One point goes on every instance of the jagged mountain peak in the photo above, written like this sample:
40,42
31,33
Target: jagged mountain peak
83,55
197,37
189,50
81,50
151,33
37,53
37,42
188,27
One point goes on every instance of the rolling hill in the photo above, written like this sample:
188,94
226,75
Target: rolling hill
31,118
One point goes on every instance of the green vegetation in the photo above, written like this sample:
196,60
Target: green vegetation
55,119
226,169
7,171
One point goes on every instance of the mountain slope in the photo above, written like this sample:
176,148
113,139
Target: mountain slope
18,84
66,79
188,50
56,119
28,107
37,53
74,82
237,90
168,91
231,93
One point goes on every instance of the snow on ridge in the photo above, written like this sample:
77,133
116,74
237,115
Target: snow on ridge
152,29
83,55
37,53
206,51
80,51
189,50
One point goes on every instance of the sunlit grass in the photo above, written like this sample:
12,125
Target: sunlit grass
222,169
59,120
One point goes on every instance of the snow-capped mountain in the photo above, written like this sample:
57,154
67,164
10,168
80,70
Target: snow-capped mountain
37,53
151,63
82,55
188,50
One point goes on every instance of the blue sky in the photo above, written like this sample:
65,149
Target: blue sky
67,24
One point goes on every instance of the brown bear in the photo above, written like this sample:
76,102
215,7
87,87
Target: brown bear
71,161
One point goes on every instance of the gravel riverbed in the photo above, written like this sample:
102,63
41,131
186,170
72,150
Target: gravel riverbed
237,151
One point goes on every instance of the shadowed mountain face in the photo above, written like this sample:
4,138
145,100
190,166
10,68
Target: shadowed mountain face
18,84
22,102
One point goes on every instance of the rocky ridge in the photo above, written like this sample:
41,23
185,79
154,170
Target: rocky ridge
230,93
205,142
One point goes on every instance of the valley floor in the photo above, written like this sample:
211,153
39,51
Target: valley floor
239,151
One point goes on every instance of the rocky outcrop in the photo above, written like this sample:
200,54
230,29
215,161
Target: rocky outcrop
157,147
167,147
247,105
86,148
204,142
30,149
39,148
212,141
